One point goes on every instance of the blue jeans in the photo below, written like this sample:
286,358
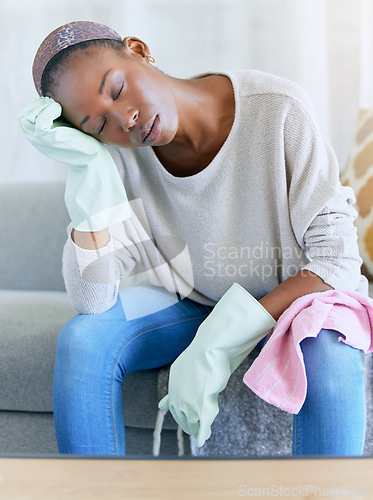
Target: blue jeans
95,352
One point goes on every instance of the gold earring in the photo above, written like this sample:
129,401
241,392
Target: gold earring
151,58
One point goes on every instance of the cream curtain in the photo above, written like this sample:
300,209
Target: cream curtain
324,45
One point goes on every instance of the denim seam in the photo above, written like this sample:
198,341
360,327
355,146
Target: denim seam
178,322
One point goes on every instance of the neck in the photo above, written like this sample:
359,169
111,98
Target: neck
204,105
206,112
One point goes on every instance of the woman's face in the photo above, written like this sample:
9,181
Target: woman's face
119,98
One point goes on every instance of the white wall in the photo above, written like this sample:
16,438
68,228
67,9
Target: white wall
325,45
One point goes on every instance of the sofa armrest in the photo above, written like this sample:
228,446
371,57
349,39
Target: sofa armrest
33,232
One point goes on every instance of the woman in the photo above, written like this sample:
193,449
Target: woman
229,181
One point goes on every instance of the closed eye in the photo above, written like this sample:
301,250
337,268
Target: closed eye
102,128
119,92
114,99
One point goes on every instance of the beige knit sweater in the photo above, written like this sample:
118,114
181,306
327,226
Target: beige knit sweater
267,206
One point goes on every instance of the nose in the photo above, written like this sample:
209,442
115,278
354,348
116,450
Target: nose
126,120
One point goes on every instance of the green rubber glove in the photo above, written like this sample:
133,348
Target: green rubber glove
229,333
95,196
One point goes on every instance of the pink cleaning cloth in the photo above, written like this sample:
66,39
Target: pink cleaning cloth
278,374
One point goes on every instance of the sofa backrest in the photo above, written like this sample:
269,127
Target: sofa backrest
33,221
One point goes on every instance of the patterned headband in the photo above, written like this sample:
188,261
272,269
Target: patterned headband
65,36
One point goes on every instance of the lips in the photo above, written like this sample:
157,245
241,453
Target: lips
151,130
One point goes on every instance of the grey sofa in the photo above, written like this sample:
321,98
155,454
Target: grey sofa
33,308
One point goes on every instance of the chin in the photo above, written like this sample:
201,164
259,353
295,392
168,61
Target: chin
165,139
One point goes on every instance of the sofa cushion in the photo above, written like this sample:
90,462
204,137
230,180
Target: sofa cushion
30,324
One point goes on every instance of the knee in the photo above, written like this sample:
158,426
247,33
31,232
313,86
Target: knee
83,337
83,351
331,364
73,333
330,351
92,342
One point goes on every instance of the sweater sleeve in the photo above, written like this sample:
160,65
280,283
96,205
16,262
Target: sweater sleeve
321,209
92,277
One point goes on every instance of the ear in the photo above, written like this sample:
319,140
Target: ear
135,46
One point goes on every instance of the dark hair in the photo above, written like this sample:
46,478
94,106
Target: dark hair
59,61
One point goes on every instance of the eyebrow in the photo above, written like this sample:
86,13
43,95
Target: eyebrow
100,91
